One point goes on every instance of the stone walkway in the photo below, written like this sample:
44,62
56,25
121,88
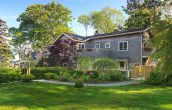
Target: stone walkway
108,84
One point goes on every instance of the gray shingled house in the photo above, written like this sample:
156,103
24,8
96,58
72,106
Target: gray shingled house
128,48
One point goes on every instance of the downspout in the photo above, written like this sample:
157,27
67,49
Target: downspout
141,48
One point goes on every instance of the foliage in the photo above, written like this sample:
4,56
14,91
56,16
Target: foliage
85,21
6,54
39,72
27,77
64,76
105,64
9,75
79,83
155,78
41,24
93,74
50,75
84,63
117,76
62,53
76,74
142,13
161,42
107,20
104,76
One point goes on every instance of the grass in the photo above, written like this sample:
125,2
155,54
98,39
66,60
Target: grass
40,96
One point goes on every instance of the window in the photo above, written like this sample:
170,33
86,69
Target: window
80,46
97,46
107,45
123,46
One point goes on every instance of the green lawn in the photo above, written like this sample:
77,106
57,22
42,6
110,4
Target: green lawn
39,96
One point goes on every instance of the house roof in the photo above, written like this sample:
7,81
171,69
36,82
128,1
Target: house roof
76,37
113,34
79,38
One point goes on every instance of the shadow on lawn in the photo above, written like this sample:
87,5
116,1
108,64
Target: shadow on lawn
50,96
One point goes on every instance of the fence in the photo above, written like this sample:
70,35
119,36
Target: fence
142,71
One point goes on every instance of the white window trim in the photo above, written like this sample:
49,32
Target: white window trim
119,45
96,45
106,44
80,44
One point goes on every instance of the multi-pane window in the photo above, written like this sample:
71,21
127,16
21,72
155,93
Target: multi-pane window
123,46
107,45
97,45
81,46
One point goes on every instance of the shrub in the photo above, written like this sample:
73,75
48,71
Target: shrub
104,64
169,83
76,74
84,63
50,75
103,76
27,78
155,78
64,76
117,76
84,77
9,75
39,72
79,83
93,74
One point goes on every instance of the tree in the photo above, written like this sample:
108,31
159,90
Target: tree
41,24
161,42
62,53
85,20
5,50
142,13
107,20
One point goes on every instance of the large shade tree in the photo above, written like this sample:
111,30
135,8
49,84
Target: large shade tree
85,21
107,20
41,24
104,21
143,13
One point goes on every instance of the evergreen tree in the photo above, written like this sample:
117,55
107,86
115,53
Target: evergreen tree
5,50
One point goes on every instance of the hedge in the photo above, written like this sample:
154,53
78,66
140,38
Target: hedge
39,72
9,75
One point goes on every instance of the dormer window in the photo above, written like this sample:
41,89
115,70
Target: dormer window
80,46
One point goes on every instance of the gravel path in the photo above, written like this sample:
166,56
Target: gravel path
108,84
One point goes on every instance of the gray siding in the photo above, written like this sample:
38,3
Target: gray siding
133,55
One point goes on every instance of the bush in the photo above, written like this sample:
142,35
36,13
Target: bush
104,76
79,83
76,74
93,74
64,76
117,76
85,77
105,63
155,78
169,83
39,72
50,75
27,78
9,75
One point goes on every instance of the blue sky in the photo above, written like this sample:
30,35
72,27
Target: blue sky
10,9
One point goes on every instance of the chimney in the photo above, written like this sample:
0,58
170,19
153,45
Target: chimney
96,32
